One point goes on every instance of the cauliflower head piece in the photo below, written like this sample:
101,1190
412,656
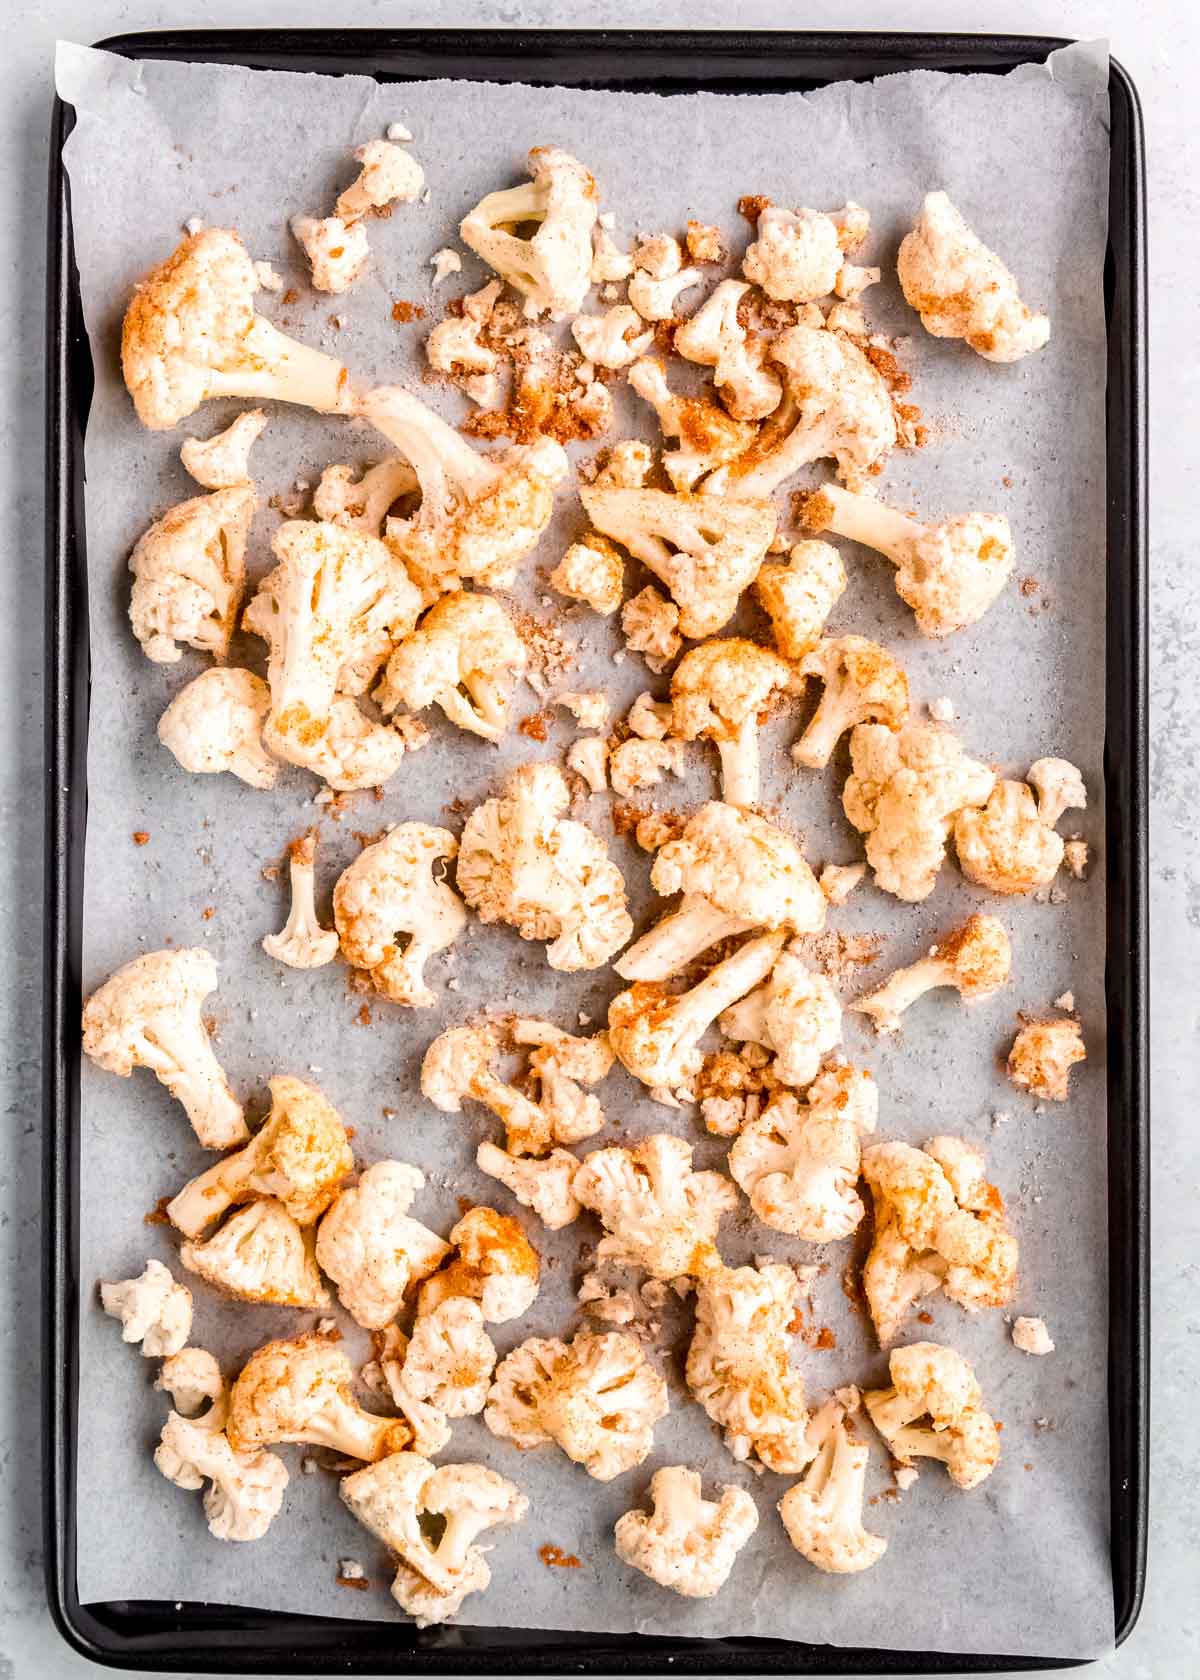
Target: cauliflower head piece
795,1014
246,1488
466,657
934,1382
799,594
300,1390
975,959
862,683
823,1512
260,1254
189,570
1042,1056
394,889
495,1265
541,1184
687,1543
370,1247
216,723
718,693
1010,845
552,268
658,1212
153,1309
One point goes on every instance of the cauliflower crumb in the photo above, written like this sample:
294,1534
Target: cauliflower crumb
1077,857
1032,1336
637,764
591,571
444,263
397,131
942,710
705,243
838,880
1066,1000
588,757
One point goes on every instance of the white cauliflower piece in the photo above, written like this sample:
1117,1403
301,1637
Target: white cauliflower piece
222,462
543,1185
553,268
372,1249
589,758
389,175
189,569
216,724
191,1377
590,708
363,502
823,1512
609,263
154,1310
650,625
456,346
1077,856
260,1254
976,959
838,881
337,251
445,263
300,1390
798,1163
302,942
591,571
658,1212
706,436
718,692
795,1015
1042,1056
688,1543
659,277
449,1361
495,1264
149,1014
650,719
394,888
464,656
937,1383
862,684
705,243
715,337
626,465
636,764
960,289
614,339
1010,846
799,594
246,1488
799,256
1032,1336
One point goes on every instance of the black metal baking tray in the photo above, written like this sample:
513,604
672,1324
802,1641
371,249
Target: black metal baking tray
188,1637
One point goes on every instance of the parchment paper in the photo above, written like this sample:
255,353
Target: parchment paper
1021,1565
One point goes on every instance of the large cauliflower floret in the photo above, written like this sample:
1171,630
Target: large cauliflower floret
479,514
949,574
448,1363
960,289
149,1014
392,889
371,1248
706,437
599,1399
715,337
656,1034
496,1265
905,789
1042,1056
937,1383
396,1500
246,1488
188,572
216,723
464,656
591,571
823,1512
191,333
975,959
300,1390
659,1213
302,942
938,1223
687,1543
798,1162
862,684
520,862
736,872
799,255
705,549
799,594
718,691
1010,846
363,502
299,1156
836,407
223,461
552,269
795,1015
260,1254
738,1366
154,1310
543,1185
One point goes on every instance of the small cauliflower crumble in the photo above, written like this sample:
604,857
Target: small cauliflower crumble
1065,1000
1032,1336
942,710
398,131
444,263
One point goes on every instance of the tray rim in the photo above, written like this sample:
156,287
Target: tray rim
104,1639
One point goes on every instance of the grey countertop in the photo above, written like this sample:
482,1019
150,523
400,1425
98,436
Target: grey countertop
1159,43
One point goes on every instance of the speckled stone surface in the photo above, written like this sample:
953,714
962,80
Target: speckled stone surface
1159,43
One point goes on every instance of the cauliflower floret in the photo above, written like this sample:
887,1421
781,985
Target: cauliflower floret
838,881
337,251
246,1489
935,1382
1032,1336
639,764
300,1390
718,692
650,625
862,684
659,1213
543,1185
396,1500
798,257
975,959
591,571
798,1163
216,724
960,289
614,339
658,277
823,1512
706,550
303,942
464,656
738,1366
496,1265
609,263
705,243
650,719
154,1310
1042,1056
656,1034
191,1377
222,462
589,759
553,268
148,1014
1011,846
590,708
191,333
688,1543
449,1361
626,466
599,1399
260,1254
798,595
795,1014
736,872
938,1224
706,436
456,346
520,862
905,789
394,888
299,1156
714,337
188,569
949,574
370,1247
362,503
389,175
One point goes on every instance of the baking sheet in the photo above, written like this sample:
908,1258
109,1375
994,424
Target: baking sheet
156,143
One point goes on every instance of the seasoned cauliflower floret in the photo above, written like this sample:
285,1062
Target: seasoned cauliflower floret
371,1248
394,888
362,502
798,256
302,942
798,595
154,1310
823,1512
191,1377
466,657
520,862
496,1265
862,684
1010,846
300,1390
1032,1336
1042,1056
658,1212
388,175
246,1488
448,1363
650,626
637,764
591,571
260,1254
544,1185
590,707
798,1162
718,692
223,461
216,724
588,758
598,1398
795,1014
337,251
715,337
705,436
658,277
960,289
614,339
456,346
937,1383
189,569
975,959
688,1543
552,268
